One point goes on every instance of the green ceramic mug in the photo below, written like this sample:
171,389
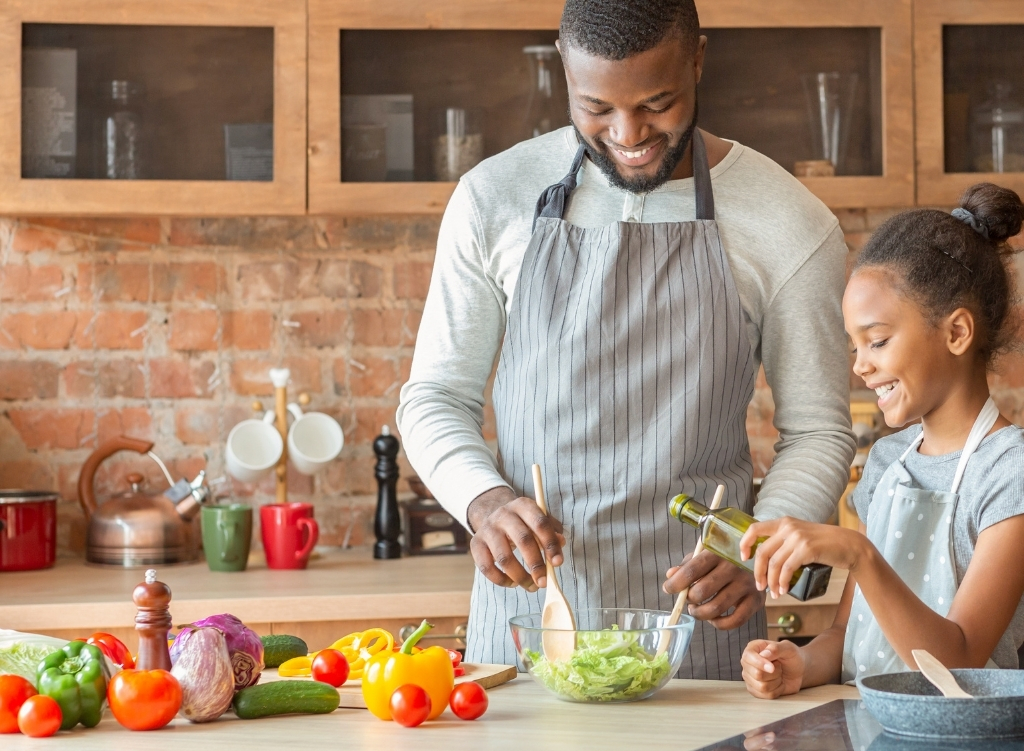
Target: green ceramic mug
227,531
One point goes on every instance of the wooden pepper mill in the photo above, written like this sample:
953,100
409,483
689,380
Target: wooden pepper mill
387,524
153,622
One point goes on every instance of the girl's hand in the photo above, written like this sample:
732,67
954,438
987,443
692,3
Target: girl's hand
772,668
792,543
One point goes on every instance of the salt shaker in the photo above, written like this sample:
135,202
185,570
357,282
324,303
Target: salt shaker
153,622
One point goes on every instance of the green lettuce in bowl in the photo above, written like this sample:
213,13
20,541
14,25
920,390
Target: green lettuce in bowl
616,663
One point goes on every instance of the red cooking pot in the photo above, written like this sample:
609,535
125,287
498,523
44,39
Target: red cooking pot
28,529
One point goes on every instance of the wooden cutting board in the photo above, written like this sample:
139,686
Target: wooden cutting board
351,693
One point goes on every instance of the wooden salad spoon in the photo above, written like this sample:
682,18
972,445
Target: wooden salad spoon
938,674
677,610
556,614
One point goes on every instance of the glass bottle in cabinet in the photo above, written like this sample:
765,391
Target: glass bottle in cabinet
120,132
997,132
545,111
830,99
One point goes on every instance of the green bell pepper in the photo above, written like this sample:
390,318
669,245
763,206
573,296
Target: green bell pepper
76,677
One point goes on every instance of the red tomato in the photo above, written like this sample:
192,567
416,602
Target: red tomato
330,666
144,699
39,716
14,690
410,705
468,700
455,656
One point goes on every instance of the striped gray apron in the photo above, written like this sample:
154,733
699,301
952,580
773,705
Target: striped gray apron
625,373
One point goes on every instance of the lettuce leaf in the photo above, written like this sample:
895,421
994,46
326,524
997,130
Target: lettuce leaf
22,659
607,665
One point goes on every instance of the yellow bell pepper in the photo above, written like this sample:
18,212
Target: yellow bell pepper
357,647
431,670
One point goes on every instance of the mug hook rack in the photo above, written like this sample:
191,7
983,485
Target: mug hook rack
280,377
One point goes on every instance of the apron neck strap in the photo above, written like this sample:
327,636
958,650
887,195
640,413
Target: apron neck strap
982,425
553,200
702,178
986,419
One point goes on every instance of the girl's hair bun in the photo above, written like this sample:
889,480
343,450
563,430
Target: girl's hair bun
999,209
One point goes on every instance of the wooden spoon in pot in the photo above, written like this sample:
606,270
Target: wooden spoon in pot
556,614
938,674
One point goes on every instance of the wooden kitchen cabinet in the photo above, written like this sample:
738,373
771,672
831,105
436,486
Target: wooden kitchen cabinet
756,55
791,618
924,68
968,60
391,41
471,54
198,73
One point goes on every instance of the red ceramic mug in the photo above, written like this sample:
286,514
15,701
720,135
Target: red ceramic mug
289,534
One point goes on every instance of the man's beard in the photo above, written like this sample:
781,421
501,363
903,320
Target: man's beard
641,184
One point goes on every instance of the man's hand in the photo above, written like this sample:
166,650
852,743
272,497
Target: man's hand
715,586
502,523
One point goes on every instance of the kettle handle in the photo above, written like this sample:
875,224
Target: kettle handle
85,479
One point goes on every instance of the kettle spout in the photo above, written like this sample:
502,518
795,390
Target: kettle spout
189,506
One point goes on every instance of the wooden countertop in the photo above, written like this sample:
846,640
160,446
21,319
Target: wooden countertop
337,585
685,715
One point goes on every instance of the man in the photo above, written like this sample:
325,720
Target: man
629,272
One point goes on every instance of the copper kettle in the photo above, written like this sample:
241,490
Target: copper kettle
136,529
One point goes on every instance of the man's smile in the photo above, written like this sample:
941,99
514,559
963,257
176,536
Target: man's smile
636,157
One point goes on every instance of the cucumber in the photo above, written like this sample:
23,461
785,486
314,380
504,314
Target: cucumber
286,697
280,647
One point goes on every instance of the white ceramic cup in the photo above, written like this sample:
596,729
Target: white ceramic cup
254,446
314,440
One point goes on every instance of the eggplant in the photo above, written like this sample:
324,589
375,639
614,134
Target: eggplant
203,668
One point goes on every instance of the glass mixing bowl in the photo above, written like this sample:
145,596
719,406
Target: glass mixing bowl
616,657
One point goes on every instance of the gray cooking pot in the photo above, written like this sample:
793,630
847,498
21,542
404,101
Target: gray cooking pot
908,704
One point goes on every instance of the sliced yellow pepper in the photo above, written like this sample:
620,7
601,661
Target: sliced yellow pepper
357,647
297,666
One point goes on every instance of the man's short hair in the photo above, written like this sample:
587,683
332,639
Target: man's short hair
617,29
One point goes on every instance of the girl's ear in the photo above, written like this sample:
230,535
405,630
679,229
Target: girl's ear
960,330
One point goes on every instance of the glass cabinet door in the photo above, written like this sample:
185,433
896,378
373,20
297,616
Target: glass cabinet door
970,110
823,87
195,115
441,101
811,99
405,100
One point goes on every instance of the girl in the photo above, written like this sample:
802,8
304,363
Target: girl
928,307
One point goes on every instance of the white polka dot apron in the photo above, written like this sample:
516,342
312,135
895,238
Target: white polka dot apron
913,529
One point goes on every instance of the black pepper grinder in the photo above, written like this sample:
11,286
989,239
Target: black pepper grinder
387,524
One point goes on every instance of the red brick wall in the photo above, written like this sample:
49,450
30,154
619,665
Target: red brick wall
165,329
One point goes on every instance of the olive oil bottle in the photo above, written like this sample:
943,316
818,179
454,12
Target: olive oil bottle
721,530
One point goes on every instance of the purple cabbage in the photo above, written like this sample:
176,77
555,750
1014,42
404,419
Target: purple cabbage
244,646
